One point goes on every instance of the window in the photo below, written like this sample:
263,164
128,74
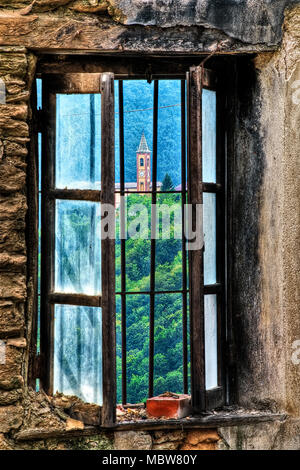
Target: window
129,312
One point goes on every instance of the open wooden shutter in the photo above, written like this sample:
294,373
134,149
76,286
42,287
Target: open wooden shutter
195,197
69,84
197,80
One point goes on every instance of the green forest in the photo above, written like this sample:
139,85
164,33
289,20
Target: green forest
168,373
168,307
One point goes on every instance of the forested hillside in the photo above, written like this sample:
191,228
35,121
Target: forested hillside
138,117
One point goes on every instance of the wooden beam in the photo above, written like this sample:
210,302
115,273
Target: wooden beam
122,67
75,299
32,228
108,251
211,421
195,198
69,83
93,33
36,434
76,194
48,239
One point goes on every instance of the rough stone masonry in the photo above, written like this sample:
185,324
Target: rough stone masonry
267,302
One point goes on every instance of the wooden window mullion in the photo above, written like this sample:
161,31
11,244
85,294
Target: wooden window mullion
108,251
48,239
195,197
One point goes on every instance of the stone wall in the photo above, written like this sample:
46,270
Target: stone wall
167,440
16,71
266,201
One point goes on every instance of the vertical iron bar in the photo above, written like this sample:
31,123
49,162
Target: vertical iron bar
153,244
183,241
122,241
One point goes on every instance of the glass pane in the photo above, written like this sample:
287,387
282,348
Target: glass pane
210,239
168,274
169,135
209,135
168,371
78,352
78,247
211,352
138,128
137,334
78,141
138,242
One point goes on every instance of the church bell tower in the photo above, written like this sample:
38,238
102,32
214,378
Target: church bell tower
143,166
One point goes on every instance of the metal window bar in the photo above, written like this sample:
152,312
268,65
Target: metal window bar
207,187
123,243
153,241
183,242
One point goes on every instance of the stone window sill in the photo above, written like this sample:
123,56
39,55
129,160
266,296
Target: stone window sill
214,420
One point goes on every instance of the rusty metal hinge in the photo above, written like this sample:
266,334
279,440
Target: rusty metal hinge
39,121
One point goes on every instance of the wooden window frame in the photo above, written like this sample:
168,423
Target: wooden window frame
76,83
197,79
89,83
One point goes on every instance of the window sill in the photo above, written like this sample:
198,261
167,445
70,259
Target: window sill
215,420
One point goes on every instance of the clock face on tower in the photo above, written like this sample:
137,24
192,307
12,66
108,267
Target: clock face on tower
142,173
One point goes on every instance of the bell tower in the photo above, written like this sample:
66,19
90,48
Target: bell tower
143,165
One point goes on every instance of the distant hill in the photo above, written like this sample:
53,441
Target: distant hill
138,113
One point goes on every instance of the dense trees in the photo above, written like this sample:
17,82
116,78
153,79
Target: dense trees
167,183
168,307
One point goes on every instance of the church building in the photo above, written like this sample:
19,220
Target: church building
143,165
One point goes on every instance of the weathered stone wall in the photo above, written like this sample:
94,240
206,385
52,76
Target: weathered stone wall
15,71
265,204
188,26
167,440
266,240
